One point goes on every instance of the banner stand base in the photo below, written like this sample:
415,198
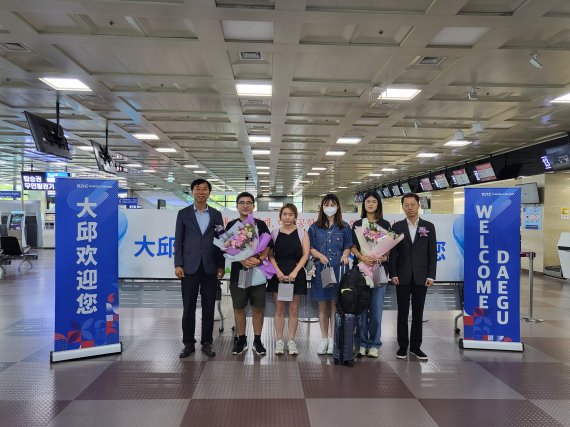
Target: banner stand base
491,345
81,353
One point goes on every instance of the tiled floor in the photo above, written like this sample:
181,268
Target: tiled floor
148,385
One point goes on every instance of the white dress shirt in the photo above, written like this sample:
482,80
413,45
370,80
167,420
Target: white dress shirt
413,228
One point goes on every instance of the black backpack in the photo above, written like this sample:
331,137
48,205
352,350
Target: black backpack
353,293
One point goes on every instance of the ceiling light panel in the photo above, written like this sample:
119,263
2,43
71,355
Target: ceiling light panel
399,94
348,140
74,85
259,138
244,89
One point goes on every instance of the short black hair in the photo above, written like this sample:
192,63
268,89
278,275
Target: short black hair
374,194
200,181
245,194
408,195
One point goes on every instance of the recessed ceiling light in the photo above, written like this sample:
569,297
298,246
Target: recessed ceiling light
340,186
348,140
141,183
244,89
260,152
389,170
564,99
133,165
304,182
85,147
185,185
356,182
263,180
290,195
148,171
191,166
457,143
259,138
66,84
399,94
316,168
213,179
165,150
427,155
147,136
263,173
262,167
313,173
375,174
335,153
200,171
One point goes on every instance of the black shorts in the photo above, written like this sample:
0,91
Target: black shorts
255,295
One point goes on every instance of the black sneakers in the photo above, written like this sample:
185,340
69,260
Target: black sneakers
240,346
258,348
402,353
420,355
207,349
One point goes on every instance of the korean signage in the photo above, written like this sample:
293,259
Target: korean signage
492,266
86,268
532,218
43,181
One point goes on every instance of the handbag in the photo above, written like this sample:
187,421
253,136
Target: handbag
310,264
328,278
285,291
379,277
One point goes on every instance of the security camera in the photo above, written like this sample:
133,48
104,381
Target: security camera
534,61
473,94
247,178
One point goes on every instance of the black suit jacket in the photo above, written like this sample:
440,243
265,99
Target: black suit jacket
192,247
413,263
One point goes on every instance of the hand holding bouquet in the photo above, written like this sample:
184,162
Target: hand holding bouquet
374,242
242,241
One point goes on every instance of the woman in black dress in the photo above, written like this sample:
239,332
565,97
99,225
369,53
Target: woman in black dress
288,256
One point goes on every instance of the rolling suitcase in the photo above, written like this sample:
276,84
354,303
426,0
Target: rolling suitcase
344,327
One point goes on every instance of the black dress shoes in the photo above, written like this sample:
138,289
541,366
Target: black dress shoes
187,351
207,349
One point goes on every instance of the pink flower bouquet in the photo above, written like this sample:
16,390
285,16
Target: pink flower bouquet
374,241
243,241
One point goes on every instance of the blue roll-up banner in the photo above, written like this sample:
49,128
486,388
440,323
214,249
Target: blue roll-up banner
86,269
492,269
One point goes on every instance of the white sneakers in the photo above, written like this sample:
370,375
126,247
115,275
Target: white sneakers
323,346
292,347
372,352
362,351
279,347
330,346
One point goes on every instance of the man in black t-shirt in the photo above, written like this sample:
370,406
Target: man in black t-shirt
255,295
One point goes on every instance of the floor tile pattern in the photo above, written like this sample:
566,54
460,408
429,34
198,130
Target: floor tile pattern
148,385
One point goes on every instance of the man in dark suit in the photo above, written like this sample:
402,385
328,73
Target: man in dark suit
412,266
199,264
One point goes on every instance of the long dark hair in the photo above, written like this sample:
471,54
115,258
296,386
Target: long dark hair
322,219
378,213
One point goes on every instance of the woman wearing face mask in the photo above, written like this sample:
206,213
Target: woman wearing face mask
331,240
371,317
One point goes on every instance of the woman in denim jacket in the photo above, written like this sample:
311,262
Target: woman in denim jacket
331,240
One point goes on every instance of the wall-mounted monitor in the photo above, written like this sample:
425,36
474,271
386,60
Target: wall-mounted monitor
559,156
48,136
386,192
529,193
460,177
396,190
405,187
440,181
425,183
484,172
104,158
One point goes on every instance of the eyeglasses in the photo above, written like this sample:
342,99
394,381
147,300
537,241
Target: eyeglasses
242,203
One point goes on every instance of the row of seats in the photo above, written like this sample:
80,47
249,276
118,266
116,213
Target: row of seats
10,250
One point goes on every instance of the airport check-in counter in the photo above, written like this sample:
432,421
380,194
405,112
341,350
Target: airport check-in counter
564,254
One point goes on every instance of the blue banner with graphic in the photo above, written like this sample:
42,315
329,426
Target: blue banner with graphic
492,264
86,264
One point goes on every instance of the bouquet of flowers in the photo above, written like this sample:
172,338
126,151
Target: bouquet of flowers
242,241
374,241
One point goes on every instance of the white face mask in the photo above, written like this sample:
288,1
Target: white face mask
330,210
